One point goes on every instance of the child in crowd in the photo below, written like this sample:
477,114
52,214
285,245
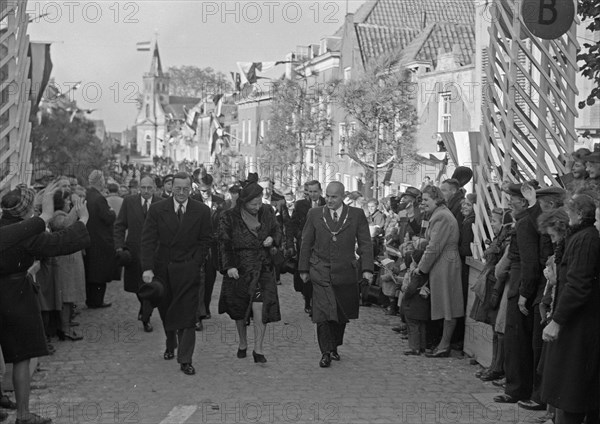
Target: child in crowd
416,305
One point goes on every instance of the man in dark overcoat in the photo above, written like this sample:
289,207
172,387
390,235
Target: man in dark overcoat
216,205
294,230
175,242
131,221
100,262
327,257
525,272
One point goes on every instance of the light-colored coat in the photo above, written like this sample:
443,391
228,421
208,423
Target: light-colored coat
442,262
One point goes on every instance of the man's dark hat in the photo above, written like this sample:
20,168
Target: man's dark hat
592,157
124,257
412,191
580,154
550,191
153,291
463,175
515,189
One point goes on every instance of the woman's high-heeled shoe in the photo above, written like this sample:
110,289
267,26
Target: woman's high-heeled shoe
241,353
439,353
71,335
259,358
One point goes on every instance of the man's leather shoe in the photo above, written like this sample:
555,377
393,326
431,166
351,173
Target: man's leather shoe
103,305
325,360
491,376
148,327
439,353
531,405
169,354
34,419
308,310
199,326
188,369
335,356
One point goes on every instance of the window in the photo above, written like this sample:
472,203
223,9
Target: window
445,115
338,176
147,110
249,135
347,73
243,131
262,129
347,182
148,145
342,138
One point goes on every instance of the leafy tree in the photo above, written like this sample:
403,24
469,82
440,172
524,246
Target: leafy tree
299,120
191,81
378,100
67,146
590,53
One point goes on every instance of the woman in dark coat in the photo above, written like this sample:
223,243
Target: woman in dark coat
21,329
248,233
570,373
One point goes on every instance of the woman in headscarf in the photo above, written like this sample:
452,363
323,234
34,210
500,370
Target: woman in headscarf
248,237
19,307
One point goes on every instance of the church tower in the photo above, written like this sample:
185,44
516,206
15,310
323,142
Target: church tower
151,121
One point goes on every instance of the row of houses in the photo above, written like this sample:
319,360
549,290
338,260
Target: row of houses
444,48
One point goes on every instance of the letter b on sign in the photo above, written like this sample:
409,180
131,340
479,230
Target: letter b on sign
548,19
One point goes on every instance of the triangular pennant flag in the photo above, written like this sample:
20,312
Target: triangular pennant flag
39,72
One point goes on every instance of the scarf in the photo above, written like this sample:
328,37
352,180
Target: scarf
251,221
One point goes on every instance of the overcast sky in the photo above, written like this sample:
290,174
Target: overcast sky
95,41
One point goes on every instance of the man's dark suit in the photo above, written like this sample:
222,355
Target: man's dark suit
282,215
212,262
131,221
100,262
175,251
334,270
294,230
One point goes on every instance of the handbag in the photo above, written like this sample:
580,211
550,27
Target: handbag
372,294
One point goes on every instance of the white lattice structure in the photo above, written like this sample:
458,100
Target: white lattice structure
528,105
15,128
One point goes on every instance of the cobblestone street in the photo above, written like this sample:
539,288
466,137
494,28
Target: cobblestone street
117,375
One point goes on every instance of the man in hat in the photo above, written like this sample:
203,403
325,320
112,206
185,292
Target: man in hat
454,197
134,187
176,238
128,237
314,199
167,186
327,257
209,271
525,272
277,202
100,262
592,166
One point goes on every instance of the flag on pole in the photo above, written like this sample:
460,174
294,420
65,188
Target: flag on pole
218,101
39,72
237,81
144,46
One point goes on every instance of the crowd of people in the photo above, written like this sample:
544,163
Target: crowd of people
168,237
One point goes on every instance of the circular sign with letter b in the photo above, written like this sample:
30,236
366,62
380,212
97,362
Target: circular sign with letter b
548,19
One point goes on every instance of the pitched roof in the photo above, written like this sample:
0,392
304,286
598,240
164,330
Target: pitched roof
375,40
443,36
155,65
413,13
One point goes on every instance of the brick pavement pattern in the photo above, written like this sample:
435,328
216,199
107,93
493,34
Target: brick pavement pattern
117,375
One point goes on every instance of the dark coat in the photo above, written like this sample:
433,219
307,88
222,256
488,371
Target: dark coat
454,206
21,328
175,252
294,229
332,265
524,255
241,249
100,261
216,209
466,236
413,305
13,234
131,221
282,215
570,378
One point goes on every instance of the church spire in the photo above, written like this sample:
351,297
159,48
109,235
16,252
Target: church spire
156,66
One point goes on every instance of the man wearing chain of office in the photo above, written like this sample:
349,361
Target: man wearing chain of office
328,261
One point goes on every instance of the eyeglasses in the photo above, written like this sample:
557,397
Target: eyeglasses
182,189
